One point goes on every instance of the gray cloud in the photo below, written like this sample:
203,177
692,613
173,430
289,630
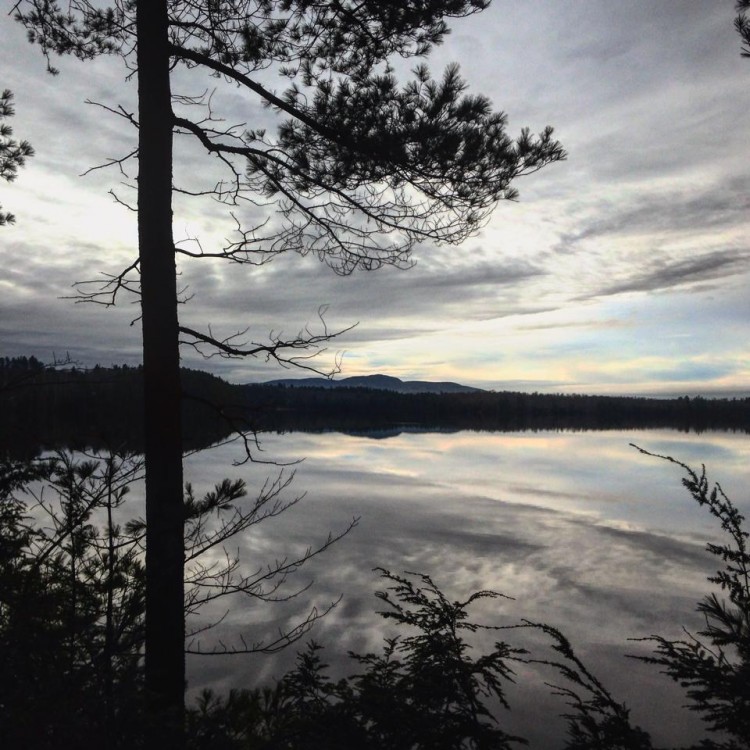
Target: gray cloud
288,292
596,324
686,211
668,273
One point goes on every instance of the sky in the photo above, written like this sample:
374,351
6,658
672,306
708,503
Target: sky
624,269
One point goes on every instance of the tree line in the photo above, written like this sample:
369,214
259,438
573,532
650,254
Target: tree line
48,407
103,408
362,409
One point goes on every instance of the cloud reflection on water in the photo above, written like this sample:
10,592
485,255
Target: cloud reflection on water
580,529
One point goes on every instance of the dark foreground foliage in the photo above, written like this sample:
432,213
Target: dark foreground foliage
423,690
71,643
714,665
71,607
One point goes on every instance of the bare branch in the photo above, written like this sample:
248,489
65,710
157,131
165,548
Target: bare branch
119,110
109,287
285,638
233,346
112,162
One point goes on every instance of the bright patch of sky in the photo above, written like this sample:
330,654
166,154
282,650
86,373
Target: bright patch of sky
624,269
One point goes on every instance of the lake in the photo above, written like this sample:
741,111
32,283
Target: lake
582,530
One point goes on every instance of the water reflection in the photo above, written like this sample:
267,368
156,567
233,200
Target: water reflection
584,532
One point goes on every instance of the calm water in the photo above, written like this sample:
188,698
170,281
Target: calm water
584,532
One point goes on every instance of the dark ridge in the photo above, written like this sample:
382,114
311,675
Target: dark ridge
377,382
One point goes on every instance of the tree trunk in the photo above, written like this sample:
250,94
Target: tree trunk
165,626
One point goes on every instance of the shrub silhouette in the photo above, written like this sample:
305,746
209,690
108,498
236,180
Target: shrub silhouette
714,665
424,690
66,682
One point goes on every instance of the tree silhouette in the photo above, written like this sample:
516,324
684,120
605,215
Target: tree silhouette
358,170
13,153
71,604
72,592
742,24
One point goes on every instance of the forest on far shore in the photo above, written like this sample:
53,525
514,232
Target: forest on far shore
51,407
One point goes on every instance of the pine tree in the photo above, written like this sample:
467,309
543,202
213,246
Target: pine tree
742,24
360,169
13,153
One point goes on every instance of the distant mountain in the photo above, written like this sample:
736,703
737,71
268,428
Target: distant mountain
377,383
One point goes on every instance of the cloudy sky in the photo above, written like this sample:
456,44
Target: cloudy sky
624,269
